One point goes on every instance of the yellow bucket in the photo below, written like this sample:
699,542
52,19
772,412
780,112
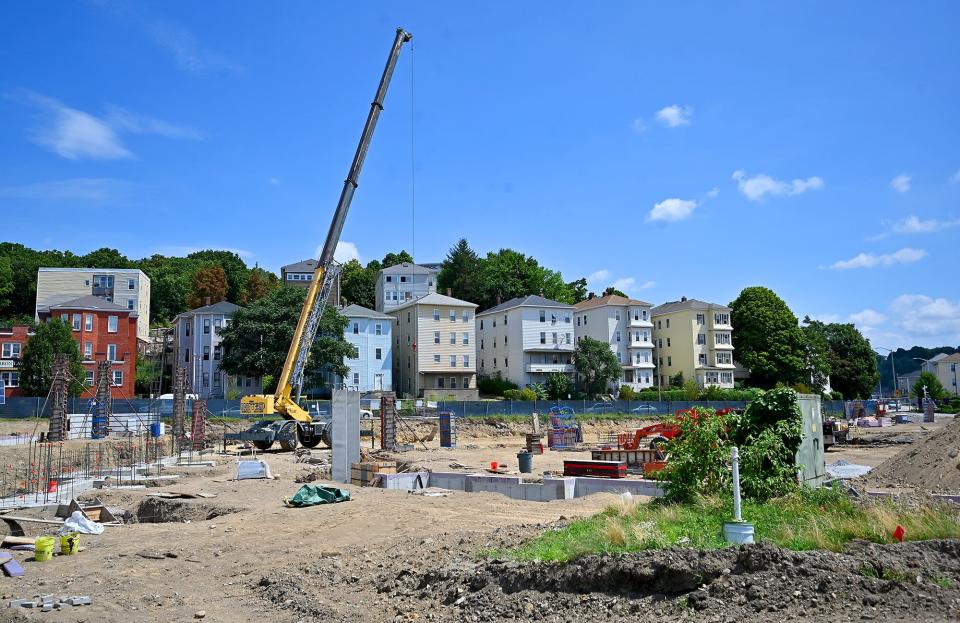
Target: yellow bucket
43,548
69,543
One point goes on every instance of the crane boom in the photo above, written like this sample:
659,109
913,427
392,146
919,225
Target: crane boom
291,376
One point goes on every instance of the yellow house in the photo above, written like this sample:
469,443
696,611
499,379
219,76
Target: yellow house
695,338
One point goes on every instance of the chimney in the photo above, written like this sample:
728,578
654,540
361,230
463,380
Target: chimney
683,299
449,291
591,296
206,300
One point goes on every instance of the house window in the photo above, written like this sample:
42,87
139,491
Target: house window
87,350
206,379
403,278
453,361
10,379
389,278
466,316
554,337
453,382
494,362
568,337
453,337
658,325
543,316
112,324
619,356
668,323
481,324
186,355
466,382
356,378
436,359
216,352
722,338
700,319
378,329
566,317
216,326
130,304
111,352
88,378
453,315
436,337
578,321
11,350
216,380
504,319
206,353
118,378
466,361
726,377
618,336
543,337
436,313
466,338
131,284
408,317
721,319
481,343
669,361
660,342
617,315
505,339
701,338
379,355
186,327
206,326
76,322
494,322
668,342
506,362
702,359
644,314
88,322
356,328
440,382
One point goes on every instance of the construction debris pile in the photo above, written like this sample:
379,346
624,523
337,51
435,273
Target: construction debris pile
931,464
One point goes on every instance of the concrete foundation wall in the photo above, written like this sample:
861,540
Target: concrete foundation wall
514,487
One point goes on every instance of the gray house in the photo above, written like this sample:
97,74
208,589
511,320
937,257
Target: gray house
300,275
402,283
197,347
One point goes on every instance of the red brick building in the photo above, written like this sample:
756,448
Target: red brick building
102,330
12,341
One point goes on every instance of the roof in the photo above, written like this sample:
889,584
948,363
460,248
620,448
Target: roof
674,306
609,299
406,268
937,357
223,307
301,266
131,271
954,358
93,303
356,311
435,299
531,300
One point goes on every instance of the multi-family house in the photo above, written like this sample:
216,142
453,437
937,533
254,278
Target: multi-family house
371,332
127,287
399,284
12,342
695,338
197,347
625,324
103,331
434,348
300,275
525,339
946,368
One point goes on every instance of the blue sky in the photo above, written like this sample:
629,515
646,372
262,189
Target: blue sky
672,149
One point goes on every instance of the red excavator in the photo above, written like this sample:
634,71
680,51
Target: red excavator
661,432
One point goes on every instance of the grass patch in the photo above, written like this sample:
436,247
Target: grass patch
806,520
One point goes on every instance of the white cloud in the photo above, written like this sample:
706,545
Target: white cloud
646,285
625,284
674,115
759,186
713,192
601,275
914,225
274,181
900,183
75,189
345,252
825,318
955,178
671,210
638,126
75,134
868,318
905,255
926,316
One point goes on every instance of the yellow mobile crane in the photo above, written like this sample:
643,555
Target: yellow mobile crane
301,426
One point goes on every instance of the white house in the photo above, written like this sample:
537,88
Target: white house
625,324
525,339
371,332
402,283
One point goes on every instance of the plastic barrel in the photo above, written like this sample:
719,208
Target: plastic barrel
526,462
155,429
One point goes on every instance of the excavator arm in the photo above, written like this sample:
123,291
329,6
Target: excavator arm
290,382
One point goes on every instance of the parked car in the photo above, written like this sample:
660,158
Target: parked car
602,407
645,410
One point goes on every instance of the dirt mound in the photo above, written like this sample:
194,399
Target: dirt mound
910,581
160,510
931,464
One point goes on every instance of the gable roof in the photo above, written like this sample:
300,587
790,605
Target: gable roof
223,307
608,299
531,300
435,299
302,266
680,305
357,311
954,358
93,303
406,268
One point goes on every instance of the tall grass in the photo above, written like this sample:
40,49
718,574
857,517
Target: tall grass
806,520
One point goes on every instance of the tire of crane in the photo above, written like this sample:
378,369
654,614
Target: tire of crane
313,443
658,443
262,445
289,446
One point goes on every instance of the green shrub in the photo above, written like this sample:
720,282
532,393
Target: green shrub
627,393
527,394
495,386
512,394
539,390
835,395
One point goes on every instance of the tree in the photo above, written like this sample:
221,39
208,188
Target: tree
817,354
676,381
6,286
36,368
933,385
558,385
596,365
392,259
259,284
578,290
209,286
508,274
358,285
461,272
105,258
852,360
256,341
767,338
612,290
170,285
234,269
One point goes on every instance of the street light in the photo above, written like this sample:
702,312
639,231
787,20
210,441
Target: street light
893,364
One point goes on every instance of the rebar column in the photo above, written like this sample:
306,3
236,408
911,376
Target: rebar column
179,405
388,421
58,398
103,408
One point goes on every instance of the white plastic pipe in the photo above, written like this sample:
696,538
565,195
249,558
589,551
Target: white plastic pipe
735,456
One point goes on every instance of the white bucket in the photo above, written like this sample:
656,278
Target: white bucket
738,532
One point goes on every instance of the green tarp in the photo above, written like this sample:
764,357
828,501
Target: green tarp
311,495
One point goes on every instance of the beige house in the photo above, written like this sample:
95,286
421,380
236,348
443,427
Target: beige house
126,287
695,338
434,353
625,324
947,369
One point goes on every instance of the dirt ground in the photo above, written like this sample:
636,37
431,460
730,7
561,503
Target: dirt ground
388,556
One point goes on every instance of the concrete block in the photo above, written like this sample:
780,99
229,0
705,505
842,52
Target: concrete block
16,603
